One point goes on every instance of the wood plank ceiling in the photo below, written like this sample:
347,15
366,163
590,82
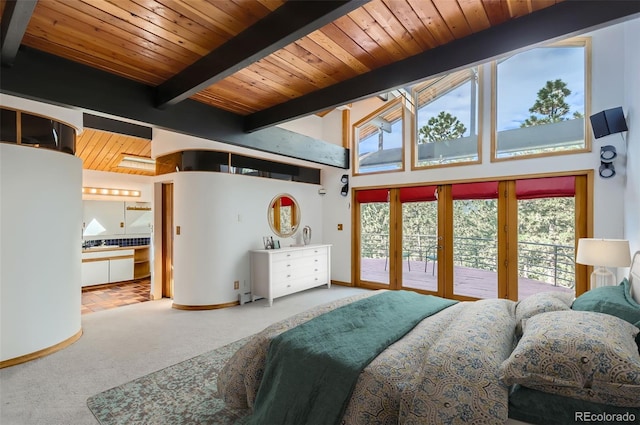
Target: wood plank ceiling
150,41
164,43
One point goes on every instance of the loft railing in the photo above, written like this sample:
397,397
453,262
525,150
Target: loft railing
549,263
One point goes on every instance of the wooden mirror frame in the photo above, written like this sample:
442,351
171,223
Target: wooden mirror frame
283,215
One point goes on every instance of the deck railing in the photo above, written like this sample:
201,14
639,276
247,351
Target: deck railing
550,263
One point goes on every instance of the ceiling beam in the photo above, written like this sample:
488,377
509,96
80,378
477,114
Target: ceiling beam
288,23
569,17
15,19
47,78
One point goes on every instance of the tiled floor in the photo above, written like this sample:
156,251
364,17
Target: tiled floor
116,295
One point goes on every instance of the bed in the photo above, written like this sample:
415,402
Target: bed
469,362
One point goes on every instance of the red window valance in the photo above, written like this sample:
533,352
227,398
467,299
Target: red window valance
478,190
372,195
418,194
546,187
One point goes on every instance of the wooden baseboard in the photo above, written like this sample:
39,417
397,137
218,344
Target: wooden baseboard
41,353
337,282
204,307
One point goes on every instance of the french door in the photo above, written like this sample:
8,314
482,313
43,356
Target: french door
506,238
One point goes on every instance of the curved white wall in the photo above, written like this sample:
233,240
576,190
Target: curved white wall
40,249
222,217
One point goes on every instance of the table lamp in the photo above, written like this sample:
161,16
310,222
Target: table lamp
603,253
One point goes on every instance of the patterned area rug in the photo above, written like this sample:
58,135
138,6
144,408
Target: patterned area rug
181,394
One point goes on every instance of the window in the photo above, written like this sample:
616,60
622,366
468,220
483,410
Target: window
379,140
447,120
507,238
541,101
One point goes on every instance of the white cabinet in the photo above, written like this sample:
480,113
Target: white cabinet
95,272
102,218
106,265
138,218
121,269
279,272
114,218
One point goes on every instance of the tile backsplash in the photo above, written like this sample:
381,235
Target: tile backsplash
117,242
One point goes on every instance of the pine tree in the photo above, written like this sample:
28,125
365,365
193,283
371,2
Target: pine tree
550,106
444,126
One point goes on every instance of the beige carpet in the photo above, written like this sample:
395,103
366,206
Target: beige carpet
129,342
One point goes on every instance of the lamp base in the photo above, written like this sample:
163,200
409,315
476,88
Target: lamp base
602,277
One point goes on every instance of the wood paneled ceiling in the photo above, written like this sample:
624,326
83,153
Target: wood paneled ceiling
103,151
269,61
151,41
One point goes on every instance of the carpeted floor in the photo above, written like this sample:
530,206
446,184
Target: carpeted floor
184,393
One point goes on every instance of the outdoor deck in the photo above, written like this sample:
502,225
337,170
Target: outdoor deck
467,281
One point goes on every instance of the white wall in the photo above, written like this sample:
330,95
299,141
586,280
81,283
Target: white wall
40,244
221,217
608,90
631,106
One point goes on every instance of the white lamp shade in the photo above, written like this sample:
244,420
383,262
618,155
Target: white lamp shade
604,252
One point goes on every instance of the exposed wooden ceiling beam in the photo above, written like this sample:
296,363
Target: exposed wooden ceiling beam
286,24
565,18
51,79
15,18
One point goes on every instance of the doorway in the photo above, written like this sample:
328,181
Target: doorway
167,240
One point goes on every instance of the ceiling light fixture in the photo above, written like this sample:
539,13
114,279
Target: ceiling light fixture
137,163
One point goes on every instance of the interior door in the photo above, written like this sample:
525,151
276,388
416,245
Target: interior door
167,240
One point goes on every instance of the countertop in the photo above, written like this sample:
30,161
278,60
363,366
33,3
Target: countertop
113,248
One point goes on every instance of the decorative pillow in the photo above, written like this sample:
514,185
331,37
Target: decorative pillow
613,300
541,302
581,354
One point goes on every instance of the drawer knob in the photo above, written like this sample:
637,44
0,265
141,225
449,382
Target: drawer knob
288,275
288,286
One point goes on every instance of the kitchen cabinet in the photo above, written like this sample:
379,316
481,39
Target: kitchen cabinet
107,265
137,218
116,218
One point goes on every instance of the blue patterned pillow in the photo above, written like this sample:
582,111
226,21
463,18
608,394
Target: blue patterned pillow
580,354
541,302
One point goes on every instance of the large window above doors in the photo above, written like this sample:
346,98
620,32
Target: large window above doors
446,122
541,98
379,140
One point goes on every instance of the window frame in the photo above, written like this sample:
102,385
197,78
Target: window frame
585,43
356,144
479,123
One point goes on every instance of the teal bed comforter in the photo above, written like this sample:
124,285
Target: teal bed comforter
311,369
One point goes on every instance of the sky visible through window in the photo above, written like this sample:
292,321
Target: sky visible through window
520,77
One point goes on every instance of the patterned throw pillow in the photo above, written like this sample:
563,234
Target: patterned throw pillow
580,354
541,302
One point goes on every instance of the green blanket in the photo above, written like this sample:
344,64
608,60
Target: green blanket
311,370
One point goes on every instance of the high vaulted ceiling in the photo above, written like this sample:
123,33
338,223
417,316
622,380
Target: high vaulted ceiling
246,65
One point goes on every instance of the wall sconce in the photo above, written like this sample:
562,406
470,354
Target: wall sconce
607,155
110,192
608,122
345,188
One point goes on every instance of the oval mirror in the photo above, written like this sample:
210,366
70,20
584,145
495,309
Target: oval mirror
284,215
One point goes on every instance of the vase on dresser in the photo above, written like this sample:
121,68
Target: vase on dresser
306,235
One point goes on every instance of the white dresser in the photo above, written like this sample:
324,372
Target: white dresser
279,272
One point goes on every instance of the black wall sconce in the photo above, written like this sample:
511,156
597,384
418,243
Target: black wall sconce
607,155
607,122
345,182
